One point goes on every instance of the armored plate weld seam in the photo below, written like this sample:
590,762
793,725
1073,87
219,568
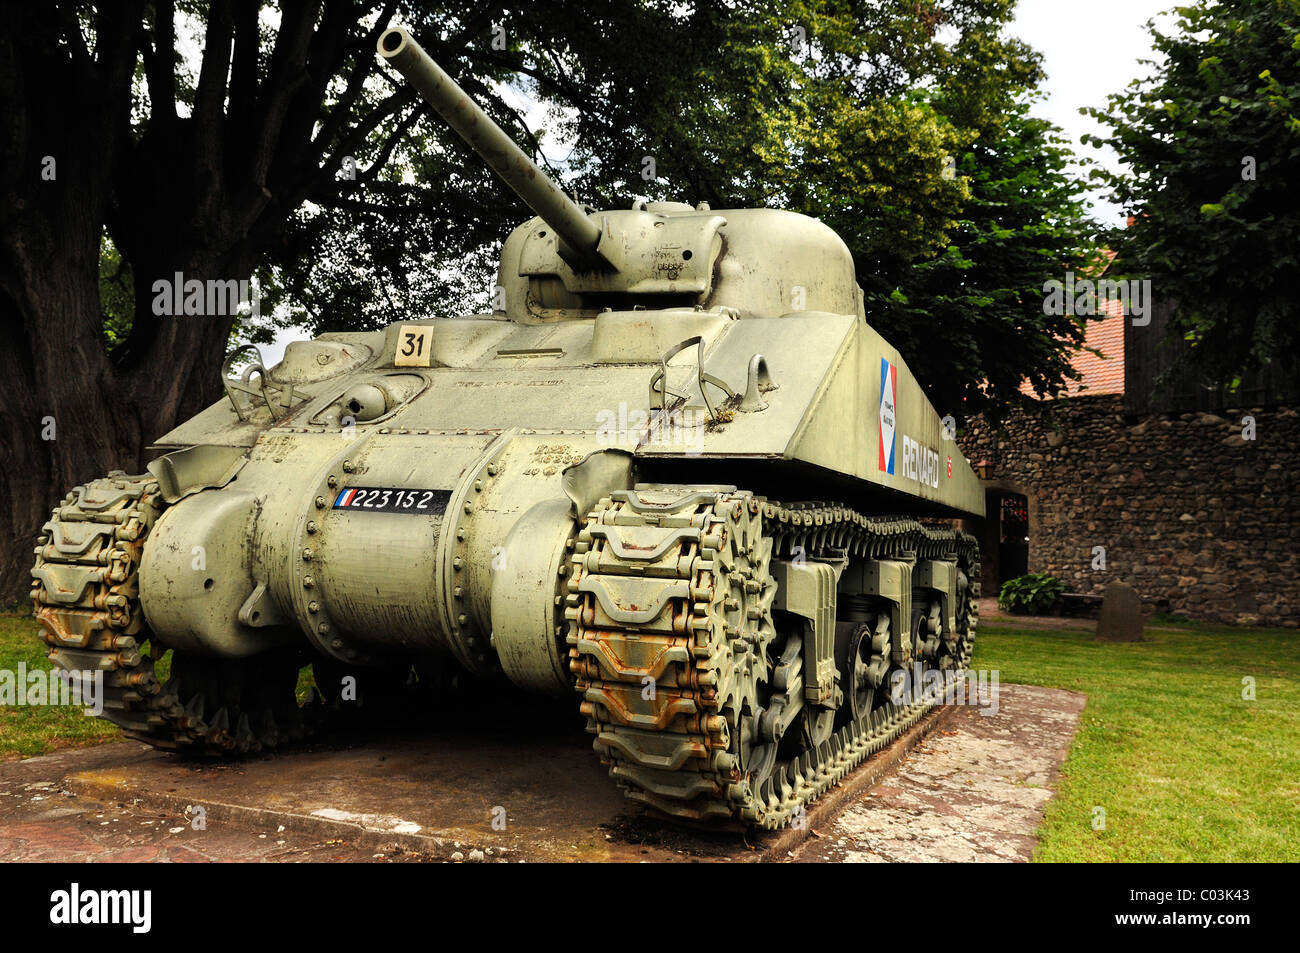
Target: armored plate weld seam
672,749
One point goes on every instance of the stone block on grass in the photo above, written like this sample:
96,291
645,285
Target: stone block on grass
1121,614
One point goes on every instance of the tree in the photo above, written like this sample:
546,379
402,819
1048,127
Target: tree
904,126
1212,149
975,311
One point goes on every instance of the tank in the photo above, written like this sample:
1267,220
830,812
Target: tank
675,476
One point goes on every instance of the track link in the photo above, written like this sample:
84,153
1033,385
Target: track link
86,594
659,667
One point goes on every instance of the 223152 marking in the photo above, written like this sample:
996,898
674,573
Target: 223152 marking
378,499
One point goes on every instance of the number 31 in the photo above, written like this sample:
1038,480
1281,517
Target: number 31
414,346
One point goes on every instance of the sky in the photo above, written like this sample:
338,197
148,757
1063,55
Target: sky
1090,48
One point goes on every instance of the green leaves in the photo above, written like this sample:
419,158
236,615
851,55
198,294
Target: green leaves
1212,149
857,128
903,125
1033,594
975,329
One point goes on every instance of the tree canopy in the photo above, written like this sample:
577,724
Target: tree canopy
902,125
1211,145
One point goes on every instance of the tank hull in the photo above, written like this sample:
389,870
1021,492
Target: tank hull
383,538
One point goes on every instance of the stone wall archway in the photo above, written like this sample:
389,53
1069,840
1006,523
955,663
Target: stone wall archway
1001,557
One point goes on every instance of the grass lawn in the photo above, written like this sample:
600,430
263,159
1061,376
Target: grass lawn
27,731
1185,768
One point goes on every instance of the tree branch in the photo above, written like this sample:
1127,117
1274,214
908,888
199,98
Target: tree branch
286,75
71,27
356,82
210,95
386,152
244,71
355,137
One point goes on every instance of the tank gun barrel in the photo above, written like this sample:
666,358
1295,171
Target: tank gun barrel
574,229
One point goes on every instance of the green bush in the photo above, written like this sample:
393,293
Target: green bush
1034,594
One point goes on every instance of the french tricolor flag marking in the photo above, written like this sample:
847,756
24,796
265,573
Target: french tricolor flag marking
345,497
888,405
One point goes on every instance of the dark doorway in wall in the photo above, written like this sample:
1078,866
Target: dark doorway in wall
1008,514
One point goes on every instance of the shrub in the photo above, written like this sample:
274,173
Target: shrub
1034,594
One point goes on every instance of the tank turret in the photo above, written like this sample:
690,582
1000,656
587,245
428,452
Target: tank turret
572,263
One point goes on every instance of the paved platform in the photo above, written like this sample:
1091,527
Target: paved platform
973,791
434,794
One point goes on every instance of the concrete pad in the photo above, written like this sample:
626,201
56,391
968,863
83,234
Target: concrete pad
974,791
428,793
42,820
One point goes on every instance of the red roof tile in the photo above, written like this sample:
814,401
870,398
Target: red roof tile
1104,374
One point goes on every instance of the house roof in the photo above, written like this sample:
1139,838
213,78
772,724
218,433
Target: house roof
1104,374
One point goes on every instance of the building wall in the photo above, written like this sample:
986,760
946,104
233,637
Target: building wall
1201,521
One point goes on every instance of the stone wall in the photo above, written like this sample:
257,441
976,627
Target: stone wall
1200,520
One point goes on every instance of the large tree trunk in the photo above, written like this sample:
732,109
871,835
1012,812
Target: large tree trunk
204,194
74,413
62,397
71,414
75,410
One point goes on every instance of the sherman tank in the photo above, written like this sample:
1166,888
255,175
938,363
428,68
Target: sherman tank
662,477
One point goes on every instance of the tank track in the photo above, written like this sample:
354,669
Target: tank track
673,751
86,595
673,754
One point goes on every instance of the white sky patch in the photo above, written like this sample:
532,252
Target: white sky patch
536,116
1091,48
273,353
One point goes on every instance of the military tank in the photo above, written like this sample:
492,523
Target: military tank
576,493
